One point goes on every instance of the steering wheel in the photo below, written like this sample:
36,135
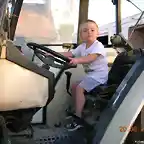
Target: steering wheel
41,52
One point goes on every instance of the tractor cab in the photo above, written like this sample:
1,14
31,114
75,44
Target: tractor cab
35,88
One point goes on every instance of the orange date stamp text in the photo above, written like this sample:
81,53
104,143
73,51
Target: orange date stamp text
130,129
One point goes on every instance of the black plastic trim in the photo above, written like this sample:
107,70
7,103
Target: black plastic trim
118,98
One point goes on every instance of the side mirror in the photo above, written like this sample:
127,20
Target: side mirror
120,42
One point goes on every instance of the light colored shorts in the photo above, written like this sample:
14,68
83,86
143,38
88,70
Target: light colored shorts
88,83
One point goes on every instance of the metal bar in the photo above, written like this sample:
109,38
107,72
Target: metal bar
136,25
83,14
117,4
52,44
135,5
14,19
64,45
118,16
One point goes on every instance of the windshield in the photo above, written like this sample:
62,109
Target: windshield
3,5
47,22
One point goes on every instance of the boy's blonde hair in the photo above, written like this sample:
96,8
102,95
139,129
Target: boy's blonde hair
82,24
89,20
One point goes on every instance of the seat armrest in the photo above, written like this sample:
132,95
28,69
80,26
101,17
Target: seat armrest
102,89
108,92
108,88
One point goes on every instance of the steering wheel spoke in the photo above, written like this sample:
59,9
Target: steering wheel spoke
56,65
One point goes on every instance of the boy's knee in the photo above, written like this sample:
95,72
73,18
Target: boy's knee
79,89
74,86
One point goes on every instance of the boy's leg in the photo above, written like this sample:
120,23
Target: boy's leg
73,88
87,84
79,100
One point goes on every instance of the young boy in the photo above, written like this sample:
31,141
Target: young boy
92,55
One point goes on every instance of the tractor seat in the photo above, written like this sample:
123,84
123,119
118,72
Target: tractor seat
24,88
121,65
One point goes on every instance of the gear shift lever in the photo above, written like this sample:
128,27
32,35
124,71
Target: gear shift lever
68,75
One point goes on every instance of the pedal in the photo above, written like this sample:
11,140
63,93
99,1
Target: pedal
58,125
26,133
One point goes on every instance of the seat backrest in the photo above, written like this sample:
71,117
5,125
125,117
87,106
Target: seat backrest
122,64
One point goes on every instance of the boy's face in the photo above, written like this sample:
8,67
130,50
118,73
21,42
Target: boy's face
89,32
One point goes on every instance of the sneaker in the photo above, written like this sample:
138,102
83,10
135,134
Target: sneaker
73,123
73,126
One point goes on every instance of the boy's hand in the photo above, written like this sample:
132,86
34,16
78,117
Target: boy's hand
73,61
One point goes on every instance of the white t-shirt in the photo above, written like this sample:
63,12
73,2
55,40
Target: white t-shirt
98,69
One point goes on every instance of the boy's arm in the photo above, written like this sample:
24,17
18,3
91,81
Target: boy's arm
96,52
87,59
74,52
67,54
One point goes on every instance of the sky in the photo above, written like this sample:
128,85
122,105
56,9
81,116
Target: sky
34,1
102,11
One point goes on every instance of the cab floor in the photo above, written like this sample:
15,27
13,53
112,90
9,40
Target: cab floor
41,135
47,135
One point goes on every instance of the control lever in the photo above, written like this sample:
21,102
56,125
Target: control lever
68,75
3,132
